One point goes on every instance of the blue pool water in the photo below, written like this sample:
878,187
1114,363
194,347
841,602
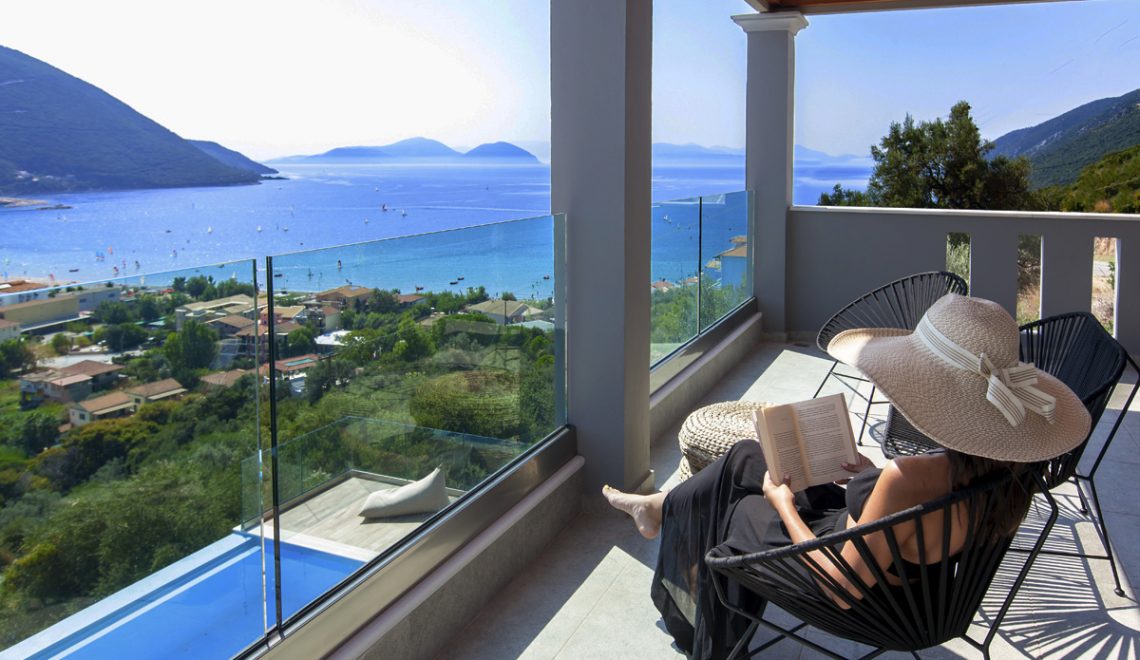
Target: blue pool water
212,611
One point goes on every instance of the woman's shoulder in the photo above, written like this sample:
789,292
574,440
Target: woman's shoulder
917,479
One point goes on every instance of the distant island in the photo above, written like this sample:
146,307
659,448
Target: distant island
420,149
61,134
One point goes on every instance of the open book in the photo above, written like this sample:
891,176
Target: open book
807,441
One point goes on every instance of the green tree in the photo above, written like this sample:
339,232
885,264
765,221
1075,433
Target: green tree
300,341
199,285
15,355
113,312
940,164
148,308
413,342
192,347
61,343
37,431
121,337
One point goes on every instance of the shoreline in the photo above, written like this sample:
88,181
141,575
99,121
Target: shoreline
20,202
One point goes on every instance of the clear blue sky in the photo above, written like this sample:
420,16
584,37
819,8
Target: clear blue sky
275,77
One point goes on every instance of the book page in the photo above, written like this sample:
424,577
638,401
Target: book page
779,439
828,442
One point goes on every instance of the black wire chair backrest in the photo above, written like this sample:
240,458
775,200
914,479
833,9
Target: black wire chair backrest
1076,350
935,602
898,304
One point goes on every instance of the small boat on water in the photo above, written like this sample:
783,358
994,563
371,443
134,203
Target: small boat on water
259,229
460,278
453,282
73,270
209,230
278,274
419,287
384,208
545,277
403,213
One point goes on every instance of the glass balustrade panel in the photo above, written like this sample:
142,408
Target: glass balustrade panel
127,408
725,255
674,276
403,373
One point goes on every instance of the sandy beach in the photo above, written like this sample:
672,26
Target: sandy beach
17,202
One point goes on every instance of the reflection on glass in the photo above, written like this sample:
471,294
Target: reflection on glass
724,254
127,409
404,372
674,269
701,265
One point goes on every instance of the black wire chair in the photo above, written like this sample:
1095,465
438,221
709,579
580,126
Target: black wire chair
935,602
1075,349
898,304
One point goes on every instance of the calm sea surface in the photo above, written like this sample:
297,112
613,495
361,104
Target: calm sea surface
133,233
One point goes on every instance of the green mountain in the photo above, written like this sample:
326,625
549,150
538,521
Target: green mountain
231,157
1063,146
1110,185
58,133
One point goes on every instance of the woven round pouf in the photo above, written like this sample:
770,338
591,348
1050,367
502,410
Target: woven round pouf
709,432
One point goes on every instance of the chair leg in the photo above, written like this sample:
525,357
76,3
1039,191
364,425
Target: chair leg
1081,496
742,646
1102,527
866,416
824,381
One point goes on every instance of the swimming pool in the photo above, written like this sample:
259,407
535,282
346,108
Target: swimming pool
208,609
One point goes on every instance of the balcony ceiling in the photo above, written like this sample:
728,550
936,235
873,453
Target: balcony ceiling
846,6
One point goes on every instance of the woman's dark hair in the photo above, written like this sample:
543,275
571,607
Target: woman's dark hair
1013,500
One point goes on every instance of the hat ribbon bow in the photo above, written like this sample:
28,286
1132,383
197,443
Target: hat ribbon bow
1011,389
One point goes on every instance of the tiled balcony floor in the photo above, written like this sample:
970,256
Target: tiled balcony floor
587,596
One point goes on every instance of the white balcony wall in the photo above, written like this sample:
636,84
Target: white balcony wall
836,254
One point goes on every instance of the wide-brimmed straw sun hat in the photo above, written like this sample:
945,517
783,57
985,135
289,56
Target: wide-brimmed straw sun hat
957,379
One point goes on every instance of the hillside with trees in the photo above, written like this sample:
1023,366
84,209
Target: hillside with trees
88,510
1059,149
59,134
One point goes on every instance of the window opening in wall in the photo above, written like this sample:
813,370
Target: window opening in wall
1028,278
958,254
1104,282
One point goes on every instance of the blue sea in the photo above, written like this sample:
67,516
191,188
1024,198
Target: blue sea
133,233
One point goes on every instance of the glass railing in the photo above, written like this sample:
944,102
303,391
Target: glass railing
425,362
210,484
123,436
700,267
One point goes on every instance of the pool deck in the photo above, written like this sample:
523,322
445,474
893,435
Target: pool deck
328,521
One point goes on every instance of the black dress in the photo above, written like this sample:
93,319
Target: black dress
724,505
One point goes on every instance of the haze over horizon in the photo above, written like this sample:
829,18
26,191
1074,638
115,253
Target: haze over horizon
274,79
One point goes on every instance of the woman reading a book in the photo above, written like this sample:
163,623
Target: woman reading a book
956,378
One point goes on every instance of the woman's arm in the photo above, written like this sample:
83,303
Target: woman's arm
893,492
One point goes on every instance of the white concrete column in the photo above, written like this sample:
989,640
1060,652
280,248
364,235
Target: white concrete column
601,54
770,102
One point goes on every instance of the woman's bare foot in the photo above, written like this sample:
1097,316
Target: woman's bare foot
639,507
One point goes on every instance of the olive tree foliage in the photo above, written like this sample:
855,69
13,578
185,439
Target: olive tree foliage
192,347
941,164
945,164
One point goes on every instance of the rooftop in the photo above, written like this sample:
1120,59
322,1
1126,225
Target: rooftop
224,378
90,368
107,403
158,389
